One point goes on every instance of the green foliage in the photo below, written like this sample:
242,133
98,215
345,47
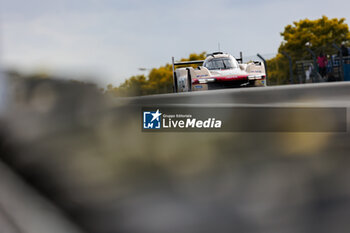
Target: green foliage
133,86
319,34
159,81
278,69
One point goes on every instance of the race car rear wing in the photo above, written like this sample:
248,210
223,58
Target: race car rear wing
199,62
240,59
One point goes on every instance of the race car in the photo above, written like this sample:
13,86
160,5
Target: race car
219,70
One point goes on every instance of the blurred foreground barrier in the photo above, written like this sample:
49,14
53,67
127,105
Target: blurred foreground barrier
320,93
23,210
87,155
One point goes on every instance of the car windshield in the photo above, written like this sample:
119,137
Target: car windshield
220,64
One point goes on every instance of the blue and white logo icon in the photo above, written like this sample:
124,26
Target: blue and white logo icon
151,120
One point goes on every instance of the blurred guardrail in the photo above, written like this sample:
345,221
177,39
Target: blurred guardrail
85,153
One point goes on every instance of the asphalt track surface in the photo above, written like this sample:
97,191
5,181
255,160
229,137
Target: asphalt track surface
80,163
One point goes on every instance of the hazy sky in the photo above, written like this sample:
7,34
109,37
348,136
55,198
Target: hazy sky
110,40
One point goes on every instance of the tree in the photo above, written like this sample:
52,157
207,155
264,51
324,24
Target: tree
278,68
319,34
134,86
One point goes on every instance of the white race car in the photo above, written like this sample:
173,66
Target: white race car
218,70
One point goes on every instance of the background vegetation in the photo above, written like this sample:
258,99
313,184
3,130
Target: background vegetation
318,34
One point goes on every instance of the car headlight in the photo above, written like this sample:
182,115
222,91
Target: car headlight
206,80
